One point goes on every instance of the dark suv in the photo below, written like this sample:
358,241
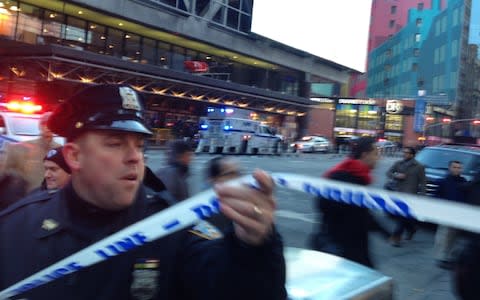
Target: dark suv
436,159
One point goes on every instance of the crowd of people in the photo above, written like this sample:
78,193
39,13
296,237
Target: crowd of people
59,199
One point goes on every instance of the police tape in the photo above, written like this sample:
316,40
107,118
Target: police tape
205,204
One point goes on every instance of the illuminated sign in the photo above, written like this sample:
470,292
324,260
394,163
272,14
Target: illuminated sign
394,107
357,101
323,100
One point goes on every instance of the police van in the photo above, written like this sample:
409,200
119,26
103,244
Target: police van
236,136
20,122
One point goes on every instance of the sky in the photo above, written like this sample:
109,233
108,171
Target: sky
336,30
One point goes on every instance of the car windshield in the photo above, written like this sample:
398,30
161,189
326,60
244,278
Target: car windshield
439,159
25,126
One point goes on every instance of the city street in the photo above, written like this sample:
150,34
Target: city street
411,266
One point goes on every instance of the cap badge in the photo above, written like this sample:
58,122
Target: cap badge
129,98
49,224
78,125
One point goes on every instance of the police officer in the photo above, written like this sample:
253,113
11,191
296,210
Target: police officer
105,130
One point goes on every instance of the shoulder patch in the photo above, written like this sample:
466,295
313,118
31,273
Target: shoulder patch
206,230
27,200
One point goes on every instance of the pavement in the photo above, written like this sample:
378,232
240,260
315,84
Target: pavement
412,266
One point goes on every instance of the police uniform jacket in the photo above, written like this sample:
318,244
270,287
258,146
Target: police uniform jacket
42,229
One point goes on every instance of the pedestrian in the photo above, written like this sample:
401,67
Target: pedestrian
466,264
12,189
105,130
222,168
26,158
344,228
219,170
57,172
452,187
175,174
409,177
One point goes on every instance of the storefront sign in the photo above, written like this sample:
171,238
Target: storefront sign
343,129
394,107
322,100
357,101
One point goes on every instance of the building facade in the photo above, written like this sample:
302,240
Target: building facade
433,60
382,119
184,56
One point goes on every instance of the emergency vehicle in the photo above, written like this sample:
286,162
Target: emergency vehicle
19,121
236,136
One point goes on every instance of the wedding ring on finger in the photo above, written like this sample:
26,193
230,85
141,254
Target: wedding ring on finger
257,210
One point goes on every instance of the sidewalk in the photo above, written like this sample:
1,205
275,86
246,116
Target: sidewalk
412,266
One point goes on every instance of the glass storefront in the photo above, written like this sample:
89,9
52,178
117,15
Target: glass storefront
394,122
346,116
36,25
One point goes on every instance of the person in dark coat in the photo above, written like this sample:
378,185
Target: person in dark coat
175,174
12,189
106,131
344,228
466,264
409,176
453,188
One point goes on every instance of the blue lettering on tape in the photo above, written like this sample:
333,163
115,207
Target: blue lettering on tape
205,211
359,198
281,182
124,245
171,225
57,273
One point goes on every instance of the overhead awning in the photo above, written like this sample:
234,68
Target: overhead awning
54,62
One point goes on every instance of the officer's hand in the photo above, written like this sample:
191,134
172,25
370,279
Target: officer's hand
251,210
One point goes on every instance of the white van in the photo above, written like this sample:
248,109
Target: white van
237,136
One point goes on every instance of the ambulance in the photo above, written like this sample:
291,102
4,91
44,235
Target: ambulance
237,136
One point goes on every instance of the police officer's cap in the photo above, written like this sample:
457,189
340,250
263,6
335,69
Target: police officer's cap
104,107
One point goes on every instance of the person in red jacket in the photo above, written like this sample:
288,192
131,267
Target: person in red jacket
344,228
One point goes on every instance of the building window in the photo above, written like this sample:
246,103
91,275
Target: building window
149,53
414,67
419,22
75,33
454,48
416,52
391,24
420,6
393,122
52,31
393,9
133,47
388,53
114,42
418,37
29,27
420,83
388,68
96,38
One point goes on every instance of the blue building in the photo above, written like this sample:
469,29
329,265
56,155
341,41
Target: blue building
434,55
434,60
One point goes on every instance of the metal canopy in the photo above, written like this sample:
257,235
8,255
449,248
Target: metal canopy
52,62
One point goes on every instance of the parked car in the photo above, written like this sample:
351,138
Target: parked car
436,159
387,147
312,144
320,276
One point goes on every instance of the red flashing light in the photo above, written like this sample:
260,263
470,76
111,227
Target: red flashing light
23,107
381,140
476,122
446,120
